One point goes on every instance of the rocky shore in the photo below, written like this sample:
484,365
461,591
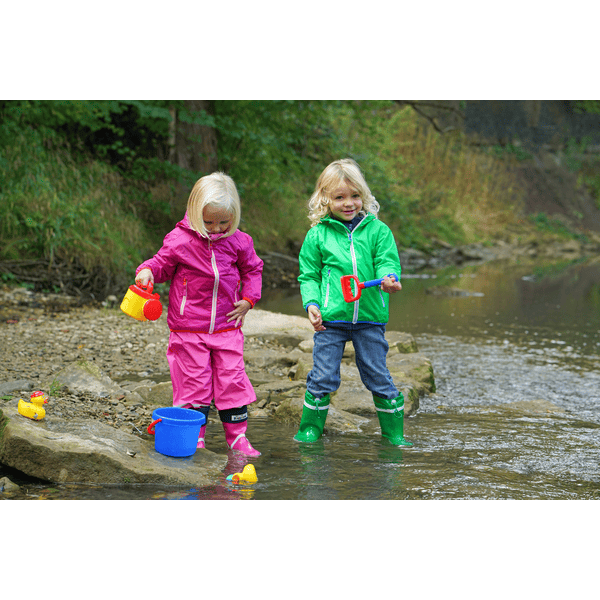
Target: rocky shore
105,373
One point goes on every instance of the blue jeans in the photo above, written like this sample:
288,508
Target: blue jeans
371,350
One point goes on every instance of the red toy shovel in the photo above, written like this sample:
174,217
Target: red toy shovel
346,281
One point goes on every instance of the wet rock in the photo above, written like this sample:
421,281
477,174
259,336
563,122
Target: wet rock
404,343
7,486
414,370
87,451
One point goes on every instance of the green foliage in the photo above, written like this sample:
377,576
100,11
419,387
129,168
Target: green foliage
573,157
587,106
511,150
545,224
55,208
54,387
117,131
587,166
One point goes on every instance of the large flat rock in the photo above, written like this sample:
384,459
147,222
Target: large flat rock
88,451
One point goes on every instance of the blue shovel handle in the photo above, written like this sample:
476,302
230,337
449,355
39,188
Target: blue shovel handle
374,282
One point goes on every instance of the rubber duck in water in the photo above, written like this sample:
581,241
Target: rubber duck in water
248,475
34,409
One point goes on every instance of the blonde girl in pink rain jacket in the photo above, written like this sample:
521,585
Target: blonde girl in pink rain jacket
216,279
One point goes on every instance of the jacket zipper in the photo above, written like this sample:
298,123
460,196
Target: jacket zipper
354,270
355,273
183,300
213,311
327,289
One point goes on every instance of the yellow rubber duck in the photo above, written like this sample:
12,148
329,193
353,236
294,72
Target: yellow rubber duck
34,409
248,475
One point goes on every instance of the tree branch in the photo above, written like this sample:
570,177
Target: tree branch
417,106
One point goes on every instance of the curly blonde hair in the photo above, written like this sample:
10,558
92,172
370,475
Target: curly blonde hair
216,189
344,170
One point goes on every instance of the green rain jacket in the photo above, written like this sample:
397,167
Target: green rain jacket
329,251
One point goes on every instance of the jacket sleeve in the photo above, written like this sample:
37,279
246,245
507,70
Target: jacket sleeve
311,268
251,268
386,259
165,261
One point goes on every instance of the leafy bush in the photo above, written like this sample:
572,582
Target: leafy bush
56,208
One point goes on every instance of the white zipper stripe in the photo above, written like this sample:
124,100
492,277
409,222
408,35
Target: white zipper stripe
355,272
184,297
213,313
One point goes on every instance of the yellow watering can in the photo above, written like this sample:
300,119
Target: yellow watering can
141,304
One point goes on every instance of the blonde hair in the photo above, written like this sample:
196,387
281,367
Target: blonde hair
344,170
218,190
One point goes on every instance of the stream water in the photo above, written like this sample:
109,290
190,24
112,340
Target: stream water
516,415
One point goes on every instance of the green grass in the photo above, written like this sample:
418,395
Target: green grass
57,207
547,225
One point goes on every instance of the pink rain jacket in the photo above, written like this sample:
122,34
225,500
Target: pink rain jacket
207,277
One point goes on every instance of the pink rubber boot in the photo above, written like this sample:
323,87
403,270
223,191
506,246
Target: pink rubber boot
235,436
201,437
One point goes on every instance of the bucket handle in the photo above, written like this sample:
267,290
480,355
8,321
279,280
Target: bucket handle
149,287
151,426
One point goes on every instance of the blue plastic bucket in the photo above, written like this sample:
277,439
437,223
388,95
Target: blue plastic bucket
176,430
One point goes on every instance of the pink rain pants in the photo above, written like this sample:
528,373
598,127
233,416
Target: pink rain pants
206,366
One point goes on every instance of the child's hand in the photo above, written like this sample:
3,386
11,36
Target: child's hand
389,285
315,318
143,277
239,312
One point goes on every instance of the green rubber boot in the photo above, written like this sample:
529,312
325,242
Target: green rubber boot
391,419
313,418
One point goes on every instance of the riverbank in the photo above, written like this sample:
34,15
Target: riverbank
105,373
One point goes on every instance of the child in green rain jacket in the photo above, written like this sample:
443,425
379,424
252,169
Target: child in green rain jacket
347,239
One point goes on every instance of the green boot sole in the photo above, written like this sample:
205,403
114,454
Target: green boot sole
314,414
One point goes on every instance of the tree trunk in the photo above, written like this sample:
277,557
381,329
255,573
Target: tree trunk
194,146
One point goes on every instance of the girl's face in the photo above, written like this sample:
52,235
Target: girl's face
345,202
216,220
